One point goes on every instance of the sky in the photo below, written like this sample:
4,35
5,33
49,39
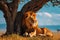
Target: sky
47,15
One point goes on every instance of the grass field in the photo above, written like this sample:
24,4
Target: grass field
18,37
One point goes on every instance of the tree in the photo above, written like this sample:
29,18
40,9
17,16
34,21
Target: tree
10,12
14,18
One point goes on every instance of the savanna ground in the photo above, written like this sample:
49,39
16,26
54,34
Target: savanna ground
18,37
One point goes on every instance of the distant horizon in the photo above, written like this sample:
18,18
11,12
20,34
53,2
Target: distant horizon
38,24
50,27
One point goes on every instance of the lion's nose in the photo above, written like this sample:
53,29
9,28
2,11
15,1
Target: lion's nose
32,20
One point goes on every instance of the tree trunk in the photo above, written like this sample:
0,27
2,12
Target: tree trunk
18,23
9,22
10,12
10,25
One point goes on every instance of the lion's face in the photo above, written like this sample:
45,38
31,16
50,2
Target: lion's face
30,19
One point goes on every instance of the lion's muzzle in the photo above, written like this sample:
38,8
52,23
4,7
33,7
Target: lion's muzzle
33,22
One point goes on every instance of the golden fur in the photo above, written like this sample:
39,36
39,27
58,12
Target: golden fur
44,32
29,22
29,19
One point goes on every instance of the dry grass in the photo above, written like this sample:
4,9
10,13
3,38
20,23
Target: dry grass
57,36
17,37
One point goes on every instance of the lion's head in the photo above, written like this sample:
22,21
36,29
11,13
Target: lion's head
29,19
29,22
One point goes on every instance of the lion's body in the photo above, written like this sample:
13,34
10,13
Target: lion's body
44,32
47,32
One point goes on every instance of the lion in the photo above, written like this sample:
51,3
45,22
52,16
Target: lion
30,26
29,23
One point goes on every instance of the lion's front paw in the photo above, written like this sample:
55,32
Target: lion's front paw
32,34
25,34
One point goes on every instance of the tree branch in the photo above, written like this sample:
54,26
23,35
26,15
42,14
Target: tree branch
33,5
4,8
13,8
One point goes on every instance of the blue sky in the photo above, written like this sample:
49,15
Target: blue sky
47,15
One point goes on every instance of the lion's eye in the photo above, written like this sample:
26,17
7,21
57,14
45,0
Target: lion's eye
33,15
30,13
26,16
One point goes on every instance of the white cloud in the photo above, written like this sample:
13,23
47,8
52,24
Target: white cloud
44,14
48,14
57,15
46,18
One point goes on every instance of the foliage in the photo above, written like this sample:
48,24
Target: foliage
55,2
